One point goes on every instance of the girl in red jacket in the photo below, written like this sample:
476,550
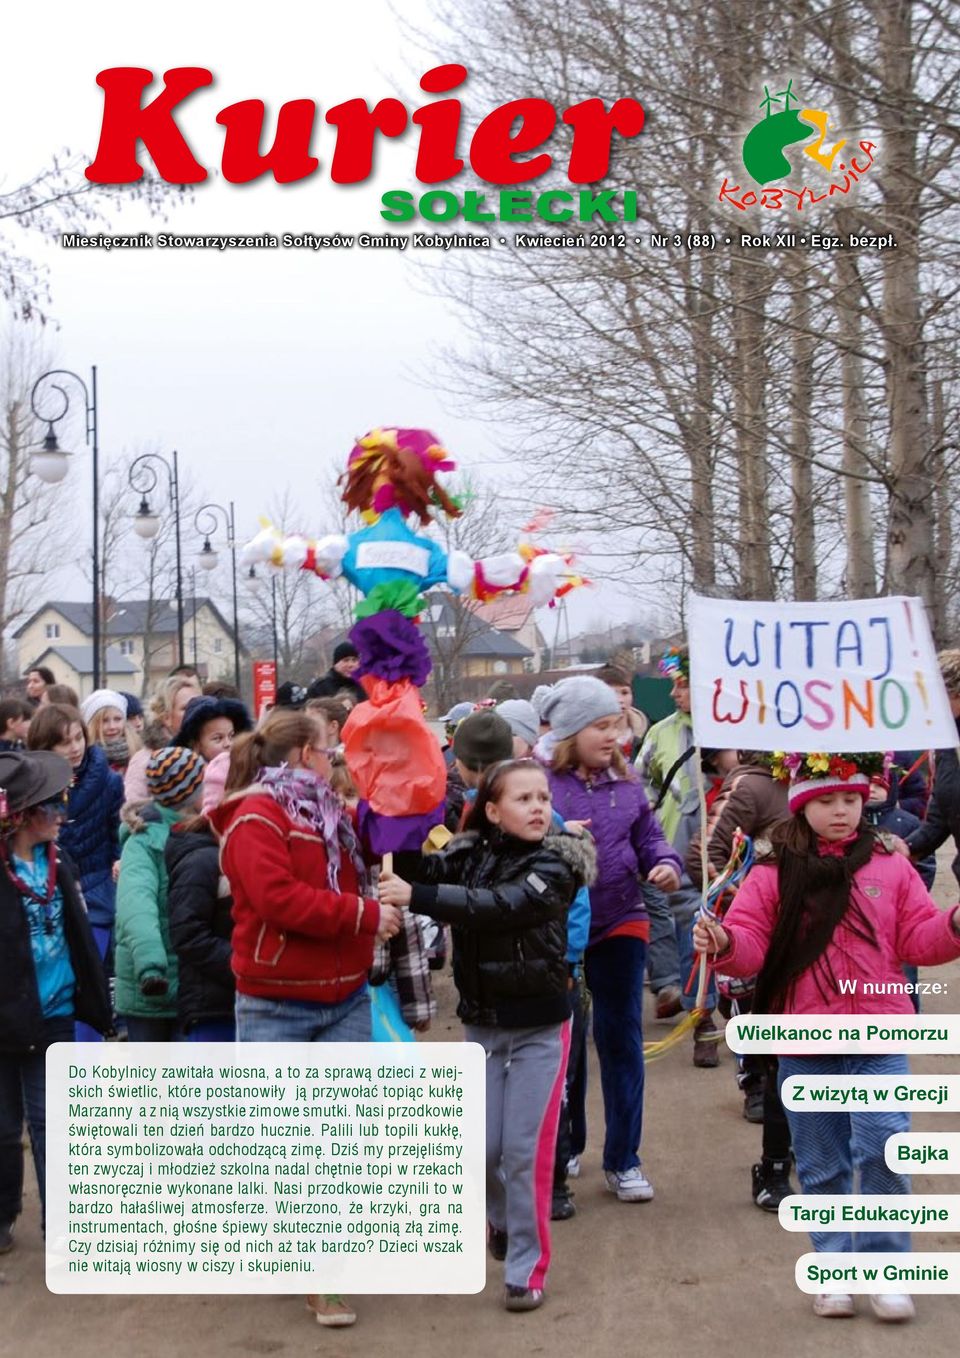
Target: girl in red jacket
304,920
835,910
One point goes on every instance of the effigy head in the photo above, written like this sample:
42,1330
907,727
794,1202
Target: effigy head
397,468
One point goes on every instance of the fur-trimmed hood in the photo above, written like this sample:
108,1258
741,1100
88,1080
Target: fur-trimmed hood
578,851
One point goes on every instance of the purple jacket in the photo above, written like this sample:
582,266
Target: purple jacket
629,843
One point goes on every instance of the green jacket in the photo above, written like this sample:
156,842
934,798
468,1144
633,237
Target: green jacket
663,746
142,946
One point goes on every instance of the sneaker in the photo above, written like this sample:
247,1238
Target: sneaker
834,1305
893,1306
669,1002
497,1243
573,1167
562,1207
770,1183
753,1105
522,1298
6,1237
332,1310
630,1185
706,1044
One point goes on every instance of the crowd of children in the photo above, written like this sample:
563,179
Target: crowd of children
212,869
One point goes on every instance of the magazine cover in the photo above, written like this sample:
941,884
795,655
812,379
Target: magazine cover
480,704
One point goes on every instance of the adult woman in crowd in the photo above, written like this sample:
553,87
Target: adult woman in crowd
166,711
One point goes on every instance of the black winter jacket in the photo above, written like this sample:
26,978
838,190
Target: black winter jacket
507,901
943,813
332,683
91,834
199,905
21,1017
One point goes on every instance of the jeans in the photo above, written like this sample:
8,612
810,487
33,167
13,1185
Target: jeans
614,971
265,1020
23,1093
831,1147
152,1029
214,1030
684,905
663,962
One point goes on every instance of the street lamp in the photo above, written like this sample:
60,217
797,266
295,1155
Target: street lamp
273,616
143,479
50,463
206,522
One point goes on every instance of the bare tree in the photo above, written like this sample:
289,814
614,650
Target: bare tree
60,198
31,513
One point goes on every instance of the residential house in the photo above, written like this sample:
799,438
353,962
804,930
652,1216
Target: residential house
513,615
140,632
468,654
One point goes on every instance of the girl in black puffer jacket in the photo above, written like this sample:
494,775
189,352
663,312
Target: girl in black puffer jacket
506,886
201,925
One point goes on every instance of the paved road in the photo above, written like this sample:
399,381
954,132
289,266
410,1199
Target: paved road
698,1269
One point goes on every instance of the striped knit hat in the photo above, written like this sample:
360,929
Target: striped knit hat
174,774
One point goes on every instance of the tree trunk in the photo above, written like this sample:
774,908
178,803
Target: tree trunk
801,467
751,279
910,537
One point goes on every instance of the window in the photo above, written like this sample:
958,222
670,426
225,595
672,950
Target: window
52,631
218,646
127,646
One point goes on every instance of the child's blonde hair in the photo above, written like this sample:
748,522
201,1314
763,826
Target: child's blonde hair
565,758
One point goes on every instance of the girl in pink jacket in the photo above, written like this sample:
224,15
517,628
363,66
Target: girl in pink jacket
835,910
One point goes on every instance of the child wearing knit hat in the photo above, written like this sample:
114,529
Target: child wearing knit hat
837,909
201,924
146,961
590,782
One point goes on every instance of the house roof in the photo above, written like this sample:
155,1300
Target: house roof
128,617
81,659
477,638
508,614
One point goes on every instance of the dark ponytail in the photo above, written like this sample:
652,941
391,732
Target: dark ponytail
815,898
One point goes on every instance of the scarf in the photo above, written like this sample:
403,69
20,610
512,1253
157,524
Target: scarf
26,890
117,752
823,881
308,798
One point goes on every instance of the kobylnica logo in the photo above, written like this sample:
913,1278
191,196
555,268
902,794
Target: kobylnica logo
786,122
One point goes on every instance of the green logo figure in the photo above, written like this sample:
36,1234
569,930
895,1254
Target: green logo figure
763,156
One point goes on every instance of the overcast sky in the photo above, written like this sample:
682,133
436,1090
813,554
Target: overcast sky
259,367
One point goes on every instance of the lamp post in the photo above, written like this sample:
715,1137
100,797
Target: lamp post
206,522
49,462
193,600
273,615
143,479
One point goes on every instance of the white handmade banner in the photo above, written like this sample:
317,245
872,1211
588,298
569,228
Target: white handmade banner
839,677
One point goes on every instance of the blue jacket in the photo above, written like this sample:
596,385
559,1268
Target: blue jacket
892,818
578,917
91,833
